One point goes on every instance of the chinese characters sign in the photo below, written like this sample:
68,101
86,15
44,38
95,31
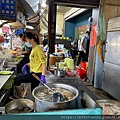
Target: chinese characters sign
83,28
8,9
80,31
93,37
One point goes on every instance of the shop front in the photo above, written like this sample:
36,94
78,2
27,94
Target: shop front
64,90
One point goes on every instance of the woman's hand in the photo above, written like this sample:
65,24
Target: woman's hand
43,78
43,72
24,69
19,53
28,64
85,51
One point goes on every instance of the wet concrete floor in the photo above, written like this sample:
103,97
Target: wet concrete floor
98,92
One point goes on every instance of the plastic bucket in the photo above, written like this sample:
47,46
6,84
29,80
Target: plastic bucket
83,65
81,73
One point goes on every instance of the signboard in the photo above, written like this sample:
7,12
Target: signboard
81,30
93,37
8,9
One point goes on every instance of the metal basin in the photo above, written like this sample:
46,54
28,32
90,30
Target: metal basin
110,107
41,105
17,103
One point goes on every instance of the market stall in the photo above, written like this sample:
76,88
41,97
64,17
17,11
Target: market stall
12,24
6,82
62,76
73,84
78,104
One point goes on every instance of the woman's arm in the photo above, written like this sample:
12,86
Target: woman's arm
28,64
43,68
25,52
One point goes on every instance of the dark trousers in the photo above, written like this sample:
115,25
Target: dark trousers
87,55
81,57
27,78
74,53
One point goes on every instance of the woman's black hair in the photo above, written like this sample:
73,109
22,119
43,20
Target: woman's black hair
20,35
30,35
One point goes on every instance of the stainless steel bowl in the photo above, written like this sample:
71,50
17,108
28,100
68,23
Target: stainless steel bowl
17,102
41,105
110,111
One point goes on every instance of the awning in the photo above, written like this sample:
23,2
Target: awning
16,24
27,8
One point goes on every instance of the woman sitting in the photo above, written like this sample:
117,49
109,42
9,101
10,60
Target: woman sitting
37,66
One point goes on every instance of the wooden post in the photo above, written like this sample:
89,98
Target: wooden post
51,27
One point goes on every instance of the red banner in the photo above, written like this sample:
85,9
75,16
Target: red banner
93,37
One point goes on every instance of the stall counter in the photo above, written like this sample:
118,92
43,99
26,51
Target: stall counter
4,78
18,65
